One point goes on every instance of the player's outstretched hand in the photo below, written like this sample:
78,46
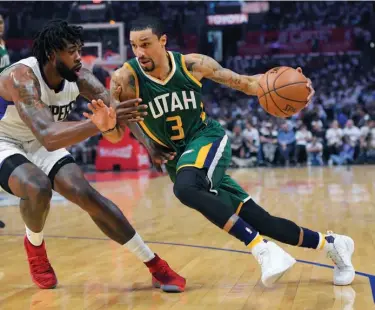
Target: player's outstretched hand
129,110
309,86
102,116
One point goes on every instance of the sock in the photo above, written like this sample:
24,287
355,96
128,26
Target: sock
139,248
35,239
312,239
238,228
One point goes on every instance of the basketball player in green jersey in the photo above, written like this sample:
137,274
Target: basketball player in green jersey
4,57
197,152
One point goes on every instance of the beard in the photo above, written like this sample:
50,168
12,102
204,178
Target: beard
68,74
149,69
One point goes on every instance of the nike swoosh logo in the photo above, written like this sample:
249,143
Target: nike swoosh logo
187,152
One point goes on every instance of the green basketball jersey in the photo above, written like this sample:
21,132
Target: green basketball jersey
4,58
175,110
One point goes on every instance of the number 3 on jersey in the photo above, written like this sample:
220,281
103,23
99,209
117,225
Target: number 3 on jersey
177,127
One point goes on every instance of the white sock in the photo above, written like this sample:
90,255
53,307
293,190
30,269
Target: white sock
139,248
34,238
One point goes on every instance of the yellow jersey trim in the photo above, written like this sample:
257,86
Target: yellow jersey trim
188,72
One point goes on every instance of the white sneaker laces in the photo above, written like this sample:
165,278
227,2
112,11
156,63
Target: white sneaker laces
337,254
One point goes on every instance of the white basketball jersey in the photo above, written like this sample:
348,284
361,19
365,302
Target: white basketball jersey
60,104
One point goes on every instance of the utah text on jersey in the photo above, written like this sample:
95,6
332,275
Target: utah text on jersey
159,105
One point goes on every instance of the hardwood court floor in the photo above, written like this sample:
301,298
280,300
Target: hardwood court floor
96,273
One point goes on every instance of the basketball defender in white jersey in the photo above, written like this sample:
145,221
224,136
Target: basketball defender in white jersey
37,93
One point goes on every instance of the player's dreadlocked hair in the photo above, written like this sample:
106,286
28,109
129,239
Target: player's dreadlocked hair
145,22
54,36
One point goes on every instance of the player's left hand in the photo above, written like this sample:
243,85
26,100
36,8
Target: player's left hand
102,116
309,86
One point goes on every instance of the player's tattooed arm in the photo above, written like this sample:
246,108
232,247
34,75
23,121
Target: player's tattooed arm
25,92
91,88
202,66
123,87
26,95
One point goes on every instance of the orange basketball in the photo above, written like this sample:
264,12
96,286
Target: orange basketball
282,91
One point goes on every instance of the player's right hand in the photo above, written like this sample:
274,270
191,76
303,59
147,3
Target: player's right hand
128,110
159,155
131,111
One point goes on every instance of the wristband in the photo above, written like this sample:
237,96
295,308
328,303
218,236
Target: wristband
109,130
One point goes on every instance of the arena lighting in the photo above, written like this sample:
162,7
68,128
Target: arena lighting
254,7
227,19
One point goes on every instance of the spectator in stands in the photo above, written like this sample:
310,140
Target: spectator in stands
287,141
367,144
354,134
346,155
251,133
303,136
252,142
237,142
268,139
315,152
334,139
317,129
361,117
368,130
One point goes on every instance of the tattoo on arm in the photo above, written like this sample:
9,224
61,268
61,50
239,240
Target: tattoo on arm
124,79
220,74
131,83
91,88
211,69
27,85
26,94
190,65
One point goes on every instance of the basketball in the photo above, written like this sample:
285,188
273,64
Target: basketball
282,91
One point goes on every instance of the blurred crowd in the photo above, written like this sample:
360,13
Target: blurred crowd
317,14
288,143
336,128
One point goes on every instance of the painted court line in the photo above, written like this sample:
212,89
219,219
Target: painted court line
370,277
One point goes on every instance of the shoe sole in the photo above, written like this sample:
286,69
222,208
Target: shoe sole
345,283
168,288
271,280
44,287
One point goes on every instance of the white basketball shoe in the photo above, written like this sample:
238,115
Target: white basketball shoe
273,260
340,249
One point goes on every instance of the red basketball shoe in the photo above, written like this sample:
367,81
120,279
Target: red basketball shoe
41,270
164,277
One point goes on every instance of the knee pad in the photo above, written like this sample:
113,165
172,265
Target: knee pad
7,167
188,181
59,164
